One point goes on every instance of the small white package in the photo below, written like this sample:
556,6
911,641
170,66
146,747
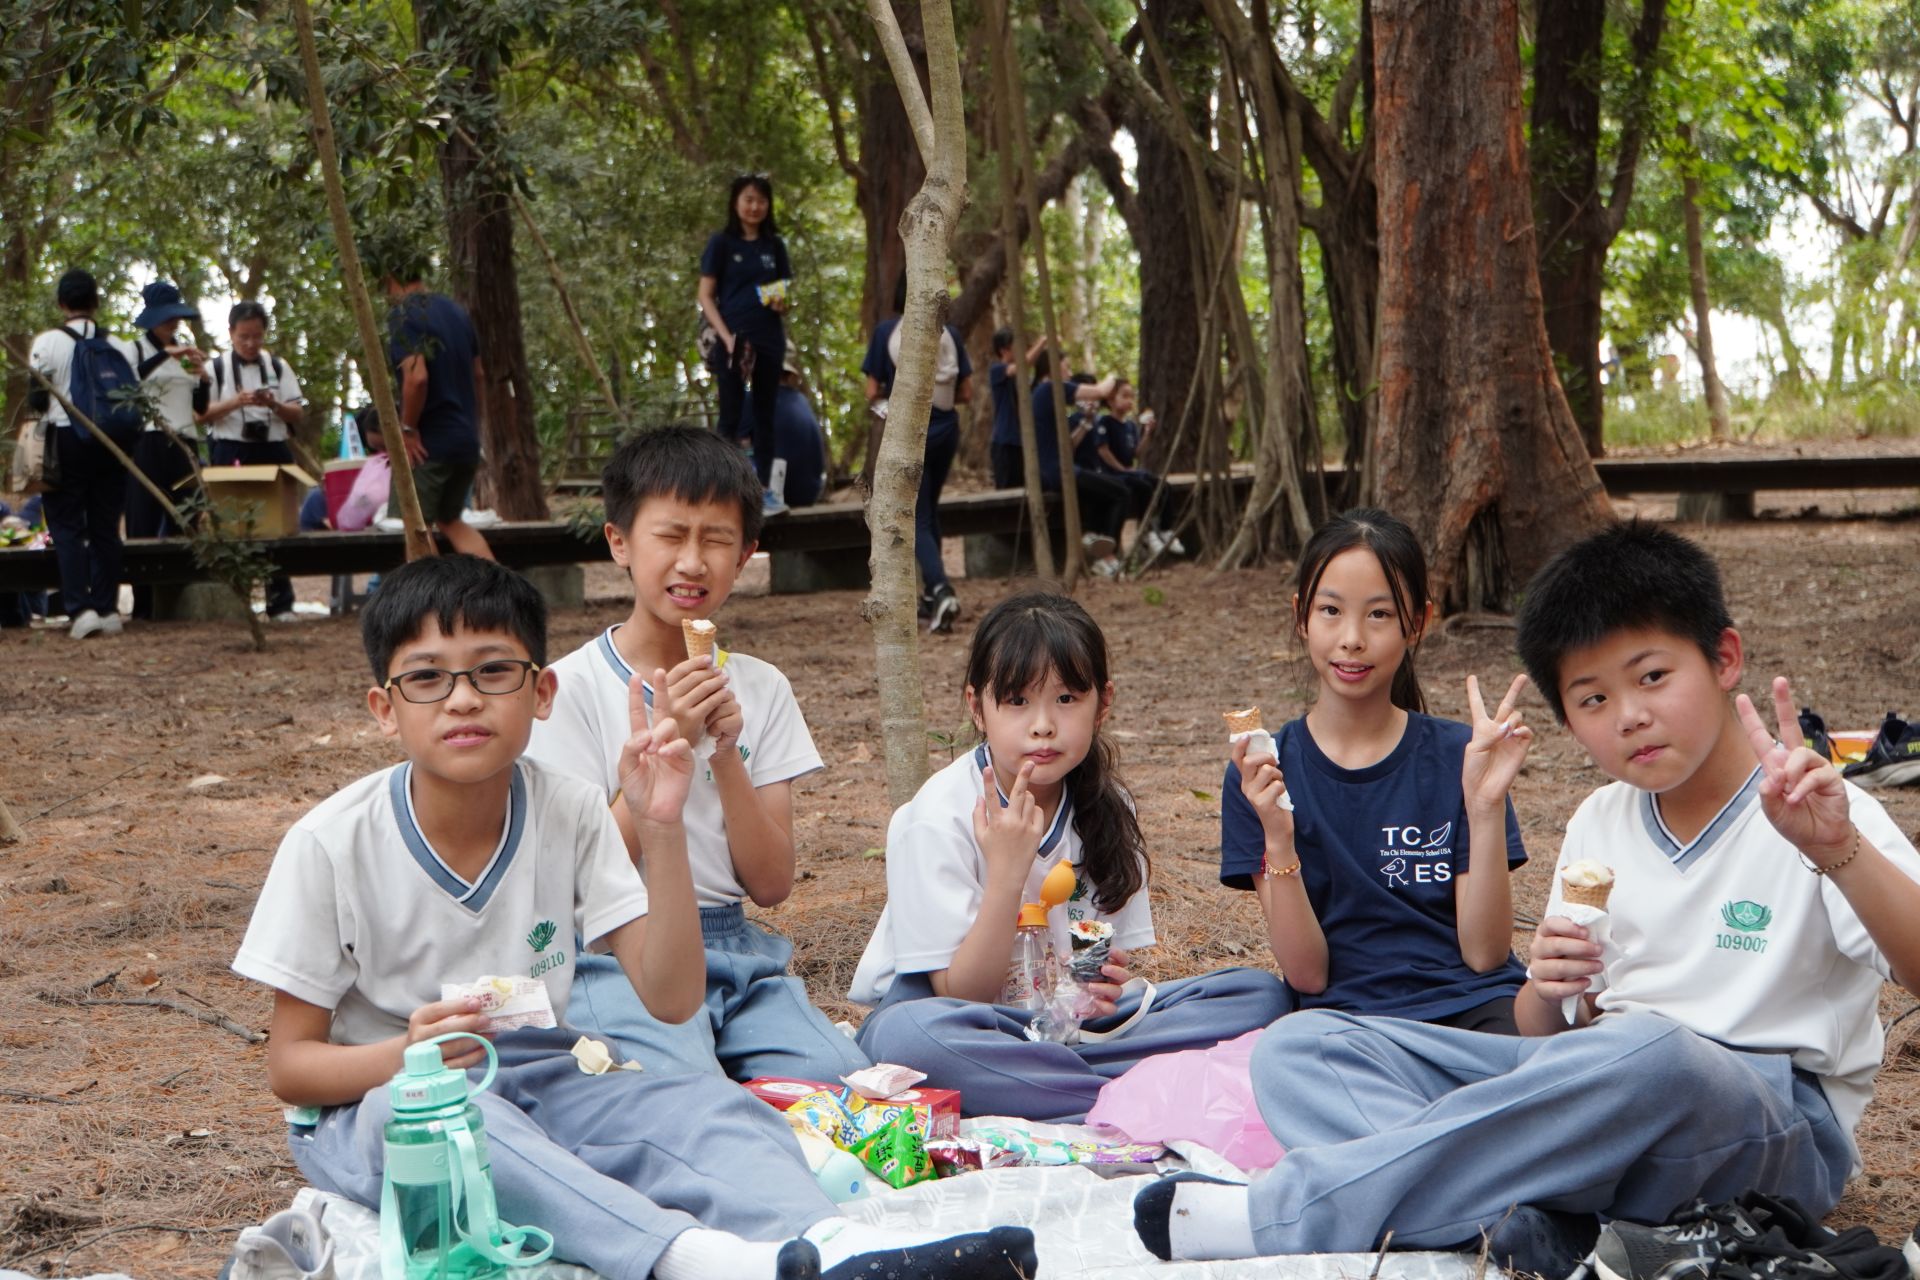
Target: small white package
508,1003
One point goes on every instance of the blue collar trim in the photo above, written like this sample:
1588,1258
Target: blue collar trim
474,897
619,665
1061,820
1684,855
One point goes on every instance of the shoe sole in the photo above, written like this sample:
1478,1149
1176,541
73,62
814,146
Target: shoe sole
944,617
1911,1252
1898,774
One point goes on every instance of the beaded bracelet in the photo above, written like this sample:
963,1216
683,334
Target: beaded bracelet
1832,867
1274,873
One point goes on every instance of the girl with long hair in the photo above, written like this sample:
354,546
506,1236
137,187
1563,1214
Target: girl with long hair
744,274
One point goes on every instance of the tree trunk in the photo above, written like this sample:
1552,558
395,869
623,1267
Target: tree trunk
483,274
938,123
1477,448
1720,420
26,110
891,172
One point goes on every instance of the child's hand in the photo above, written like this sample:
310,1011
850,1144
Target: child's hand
656,764
724,722
1564,958
445,1017
1498,749
691,692
1262,783
1106,995
1009,837
1800,790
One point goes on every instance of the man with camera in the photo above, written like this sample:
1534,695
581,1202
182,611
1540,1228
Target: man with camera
256,401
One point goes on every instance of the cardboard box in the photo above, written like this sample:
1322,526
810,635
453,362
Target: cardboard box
937,1110
263,500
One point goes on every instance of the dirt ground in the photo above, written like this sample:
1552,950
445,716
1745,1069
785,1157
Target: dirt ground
157,773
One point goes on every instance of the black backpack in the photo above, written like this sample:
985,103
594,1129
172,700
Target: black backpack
99,370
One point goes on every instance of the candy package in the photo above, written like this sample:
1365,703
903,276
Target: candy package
507,1003
1195,1095
1007,1140
896,1152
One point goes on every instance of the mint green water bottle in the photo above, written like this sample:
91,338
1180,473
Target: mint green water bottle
438,1220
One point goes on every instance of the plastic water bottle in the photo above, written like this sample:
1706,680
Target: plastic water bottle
438,1220
1035,967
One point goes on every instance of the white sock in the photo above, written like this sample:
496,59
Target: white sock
1211,1221
700,1254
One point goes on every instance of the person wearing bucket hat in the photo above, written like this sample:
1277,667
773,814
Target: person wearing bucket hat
173,371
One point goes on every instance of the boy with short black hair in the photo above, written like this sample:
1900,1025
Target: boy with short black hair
459,863
683,512
1759,902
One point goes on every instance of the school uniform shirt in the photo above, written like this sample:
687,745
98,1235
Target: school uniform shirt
589,724
231,375
438,329
1046,438
1380,849
169,382
1122,437
879,365
797,438
739,267
360,915
1086,454
1733,937
1006,410
52,355
936,878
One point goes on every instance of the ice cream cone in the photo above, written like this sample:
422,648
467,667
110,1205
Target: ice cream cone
701,635
1586,895
1242,721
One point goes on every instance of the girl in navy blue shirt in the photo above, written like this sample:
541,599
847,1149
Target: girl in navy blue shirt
744,274
1386,882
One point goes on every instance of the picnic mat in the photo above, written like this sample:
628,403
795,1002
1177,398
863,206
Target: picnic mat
1082,1222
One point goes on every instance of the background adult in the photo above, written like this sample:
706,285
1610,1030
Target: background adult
83,512
952,385
173,370
744,274
256,403
436,361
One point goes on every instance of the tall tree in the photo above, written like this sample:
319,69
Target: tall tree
1575,222
1478,449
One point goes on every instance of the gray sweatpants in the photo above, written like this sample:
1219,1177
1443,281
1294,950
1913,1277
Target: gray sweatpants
615,1166
983,1051
1433,1133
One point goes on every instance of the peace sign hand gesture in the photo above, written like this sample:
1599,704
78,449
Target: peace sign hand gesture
1009,836
656,763
1800,790
1498,748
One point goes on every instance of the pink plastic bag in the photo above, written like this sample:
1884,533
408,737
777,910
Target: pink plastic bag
1196,1095
369,491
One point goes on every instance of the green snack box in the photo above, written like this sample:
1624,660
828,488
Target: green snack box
896,1153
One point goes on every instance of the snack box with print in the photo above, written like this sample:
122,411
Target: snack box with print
936,1110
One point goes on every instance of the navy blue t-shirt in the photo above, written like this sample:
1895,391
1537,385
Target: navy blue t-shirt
739,267
1086,454
879,366
437,328
1046,439
1379,850
1122,437
1006,411
796,437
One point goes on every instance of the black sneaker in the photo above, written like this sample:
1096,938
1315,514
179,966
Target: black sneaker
1894,758
945,611
1855,1254
1911,1251
1813,727
1702,1235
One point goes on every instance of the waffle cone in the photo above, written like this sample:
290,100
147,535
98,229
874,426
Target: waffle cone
1242,721
1586,895
701,636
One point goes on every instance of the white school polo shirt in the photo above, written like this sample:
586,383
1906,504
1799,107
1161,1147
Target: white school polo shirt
1732,937
52,354
589,725
232,374
936,879
359,914
171,385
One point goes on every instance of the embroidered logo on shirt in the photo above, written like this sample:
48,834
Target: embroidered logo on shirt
542,934
1746,919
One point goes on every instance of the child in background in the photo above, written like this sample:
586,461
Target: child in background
975,844
1759,903
1386,887
683,512
457,864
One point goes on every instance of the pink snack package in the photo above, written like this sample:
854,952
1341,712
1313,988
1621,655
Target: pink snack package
1196,1095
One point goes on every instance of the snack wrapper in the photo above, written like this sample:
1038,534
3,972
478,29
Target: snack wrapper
1092,941
991,1142
507,1003
595,1059
845,1117
1599,926
1260,743
882,1080
896,1152
771,292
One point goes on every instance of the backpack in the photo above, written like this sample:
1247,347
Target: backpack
946,365
99,370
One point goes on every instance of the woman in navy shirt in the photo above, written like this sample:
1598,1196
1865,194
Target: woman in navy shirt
744,274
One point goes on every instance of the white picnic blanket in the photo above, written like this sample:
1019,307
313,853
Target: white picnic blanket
1082,1222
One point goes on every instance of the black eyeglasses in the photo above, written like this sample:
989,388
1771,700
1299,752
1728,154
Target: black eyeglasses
430,684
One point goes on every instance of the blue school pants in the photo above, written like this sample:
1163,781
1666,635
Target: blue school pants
1434,1133
756,1020
943,441
982,1049
615,1165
